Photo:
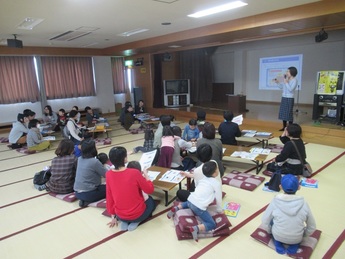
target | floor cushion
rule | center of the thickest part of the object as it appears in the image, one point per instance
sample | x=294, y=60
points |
x=305, y=250
x=185, y=218
x=26, y=151
x=98, y=204
x=242, y=180
x=69, y=197
x=102, y=141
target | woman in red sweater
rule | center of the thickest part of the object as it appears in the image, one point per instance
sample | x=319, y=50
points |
x=124, y=196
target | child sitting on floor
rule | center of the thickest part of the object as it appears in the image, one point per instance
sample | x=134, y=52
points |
x=35, y=139
x=104, y=159
x=136, y=165
x=288, y=217
x=148, y=142
x=191, y=131
x=207, y=190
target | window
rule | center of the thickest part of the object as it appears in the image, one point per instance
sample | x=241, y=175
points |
x=18, y=81
x=67, y=77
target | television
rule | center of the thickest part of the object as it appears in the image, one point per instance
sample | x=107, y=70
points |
x=177, y=86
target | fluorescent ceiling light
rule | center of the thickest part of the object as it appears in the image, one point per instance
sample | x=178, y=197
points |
x=174, y=46
x=129, y=33
x=278, y=30
x=29, y=23
x=218, y=9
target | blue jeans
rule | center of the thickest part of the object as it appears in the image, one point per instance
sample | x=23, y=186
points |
x=150, y=207
x=205, y=217
x=92, y=196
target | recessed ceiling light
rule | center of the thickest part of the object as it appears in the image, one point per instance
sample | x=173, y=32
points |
x=129, y=33
x=166, y=23
x=218, y=9
x=29, y=23
x=174, y=46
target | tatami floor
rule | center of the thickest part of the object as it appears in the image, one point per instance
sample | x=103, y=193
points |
x=36, y=225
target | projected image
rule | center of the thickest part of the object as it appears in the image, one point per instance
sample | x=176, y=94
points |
x=273, y=74
x=272, y=68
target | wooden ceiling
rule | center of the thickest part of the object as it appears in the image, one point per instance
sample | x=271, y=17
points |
x=310, y=18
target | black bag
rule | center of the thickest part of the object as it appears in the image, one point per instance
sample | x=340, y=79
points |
x=274, y=182
x=42, y=177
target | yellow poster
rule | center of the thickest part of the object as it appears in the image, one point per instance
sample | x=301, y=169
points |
x=327, y=83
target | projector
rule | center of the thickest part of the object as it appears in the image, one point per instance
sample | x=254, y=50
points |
x=321, y=36
x=14, y=43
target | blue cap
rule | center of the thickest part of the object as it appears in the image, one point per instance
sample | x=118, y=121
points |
x=290, y=183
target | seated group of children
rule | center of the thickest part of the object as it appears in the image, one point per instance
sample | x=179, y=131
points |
x=28, y=130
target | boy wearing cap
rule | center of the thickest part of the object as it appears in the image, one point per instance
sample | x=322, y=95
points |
x=288, y=217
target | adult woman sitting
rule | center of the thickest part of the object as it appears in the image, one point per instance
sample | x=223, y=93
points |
x=63, y=169
x=89, y=175
x=19, y=130
x=72, y=129
x=208, y=137
x=50, y=117
x=288, y=161
x=125, y=200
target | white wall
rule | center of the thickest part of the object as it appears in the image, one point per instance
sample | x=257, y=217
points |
x=104, y=99
x=327, y=55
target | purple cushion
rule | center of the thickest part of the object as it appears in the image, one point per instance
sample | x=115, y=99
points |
x=242, y=180
x=185, y=218
x=305, y=250
x=69, y=197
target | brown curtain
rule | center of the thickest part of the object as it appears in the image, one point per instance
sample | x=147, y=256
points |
x=67, y=77
x=118, y=69
x=18, y=82
x=158, y=91
x=196, y=65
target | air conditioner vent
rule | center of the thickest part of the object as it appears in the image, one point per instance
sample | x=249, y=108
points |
x=70, y=35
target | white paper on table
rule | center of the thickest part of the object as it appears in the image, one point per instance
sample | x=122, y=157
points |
x=147, y=159
x=263, y=133
x=264, y=151
x=238, y=119
x=244, y=155
x=236, y=154
x=248, y=131
x=224, y=150
x=172, y=176
x=249, y=134
x=153, y=175
x=49, y=138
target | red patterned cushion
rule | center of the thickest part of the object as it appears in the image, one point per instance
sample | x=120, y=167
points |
x=3, y=140
x=241, y=180
x=26, y=151
x=267, y=173
x=103, y=141
x=305, y=250
x=185, y=218
x=69, y=197
x=98, y=204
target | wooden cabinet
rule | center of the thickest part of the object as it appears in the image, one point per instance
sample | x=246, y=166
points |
x=236, y=103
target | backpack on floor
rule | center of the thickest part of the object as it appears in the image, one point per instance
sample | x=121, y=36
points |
x=275, y=181
x=42, y=177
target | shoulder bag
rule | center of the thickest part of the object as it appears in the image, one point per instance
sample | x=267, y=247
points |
x=307, y=170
